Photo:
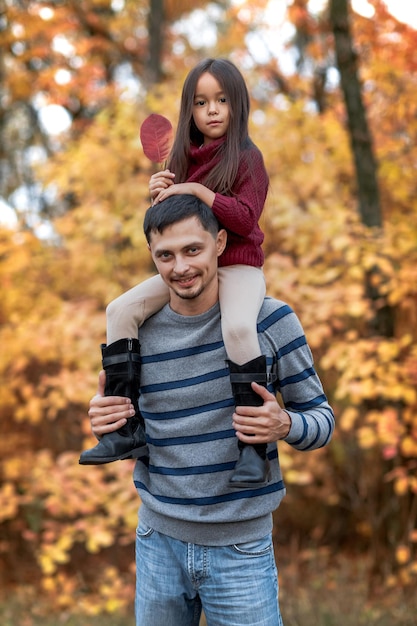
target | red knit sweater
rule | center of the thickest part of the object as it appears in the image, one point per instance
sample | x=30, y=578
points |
x=238, y=214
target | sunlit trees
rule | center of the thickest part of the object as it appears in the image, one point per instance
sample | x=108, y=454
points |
x=71, y=528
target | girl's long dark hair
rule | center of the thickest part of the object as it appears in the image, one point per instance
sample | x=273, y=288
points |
x=222, y=175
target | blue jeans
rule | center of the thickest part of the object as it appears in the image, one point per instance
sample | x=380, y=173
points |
x=235, y=585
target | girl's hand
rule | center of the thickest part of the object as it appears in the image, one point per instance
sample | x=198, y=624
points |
x=160, y=181
x=194, y=189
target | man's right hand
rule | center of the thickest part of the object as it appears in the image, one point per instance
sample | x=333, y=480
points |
x=108, y=413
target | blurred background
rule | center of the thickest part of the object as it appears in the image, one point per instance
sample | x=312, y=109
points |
x=334, y=110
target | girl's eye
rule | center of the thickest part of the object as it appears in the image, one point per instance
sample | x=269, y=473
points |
x=199, y=103
x=223, y=100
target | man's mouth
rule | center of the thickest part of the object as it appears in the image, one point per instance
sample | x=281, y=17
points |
x=186, y=281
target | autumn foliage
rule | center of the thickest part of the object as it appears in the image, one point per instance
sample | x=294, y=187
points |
x=69, y=530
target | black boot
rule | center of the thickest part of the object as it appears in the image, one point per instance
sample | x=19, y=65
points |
x=121, y=361
x=252, y=468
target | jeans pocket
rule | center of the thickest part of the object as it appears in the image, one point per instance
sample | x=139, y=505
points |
x=258, y=547
x=143, y=530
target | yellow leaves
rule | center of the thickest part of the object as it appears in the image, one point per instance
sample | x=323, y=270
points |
x=386, y=429
x=99, y=538
x=372, y=369
x=9, y=501
x=53, y=298
x=348, y=418
x=298, y=477
x=389, y=427
x=62, y=588
x=409, y=446
x=404, y=479
x=111, y=592
x=53, y=554
x=401, y=485
x=367, y=437
x=402, y=554
x=32, y=409
x=387, y=351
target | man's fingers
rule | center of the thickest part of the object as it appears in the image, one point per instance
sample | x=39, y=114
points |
x=101, y=383
x=263, y=392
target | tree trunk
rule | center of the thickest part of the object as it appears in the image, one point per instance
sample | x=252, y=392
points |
x=155, y=30
x=360, y=137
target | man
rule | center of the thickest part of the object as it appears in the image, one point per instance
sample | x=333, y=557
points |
x=200, y=543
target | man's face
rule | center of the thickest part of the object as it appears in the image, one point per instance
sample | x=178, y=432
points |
x=186, y=255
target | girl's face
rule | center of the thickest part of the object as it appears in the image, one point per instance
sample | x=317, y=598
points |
x=211, y=112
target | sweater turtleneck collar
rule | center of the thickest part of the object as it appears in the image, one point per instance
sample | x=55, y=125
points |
x=206, y=152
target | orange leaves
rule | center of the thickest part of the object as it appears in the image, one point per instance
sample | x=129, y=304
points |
x=383, y=428
x=370, y=369
x=409, y=444
x=317, y=258
x=402, y=554
x=9, y=501
x=69, y=508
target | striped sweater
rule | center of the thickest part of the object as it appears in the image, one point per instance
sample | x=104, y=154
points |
x=186, y=400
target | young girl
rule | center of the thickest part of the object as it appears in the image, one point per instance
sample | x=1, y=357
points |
x=214, y=159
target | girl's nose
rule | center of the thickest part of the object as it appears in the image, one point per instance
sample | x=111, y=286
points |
x=212, y=108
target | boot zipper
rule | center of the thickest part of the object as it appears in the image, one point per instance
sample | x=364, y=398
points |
x=130, y=364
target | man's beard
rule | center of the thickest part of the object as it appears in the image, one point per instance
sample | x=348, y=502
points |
x=190, y=295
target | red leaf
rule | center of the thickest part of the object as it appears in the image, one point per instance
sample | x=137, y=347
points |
x=156, y=136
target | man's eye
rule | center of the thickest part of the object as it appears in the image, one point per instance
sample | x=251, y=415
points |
x=193, y=250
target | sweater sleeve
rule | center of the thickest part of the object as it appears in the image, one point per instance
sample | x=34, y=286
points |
x=240, y=213
x=301, y=390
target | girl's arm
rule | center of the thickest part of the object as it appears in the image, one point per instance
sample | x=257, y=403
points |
x=194, y=189
x=240, y=212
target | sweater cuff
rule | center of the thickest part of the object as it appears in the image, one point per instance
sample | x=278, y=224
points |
x=298, y=430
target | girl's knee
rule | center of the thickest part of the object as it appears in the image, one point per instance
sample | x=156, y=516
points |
x=239, y=333
x=113, y=309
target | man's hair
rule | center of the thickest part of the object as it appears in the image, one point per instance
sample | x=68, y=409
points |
x=175, y=209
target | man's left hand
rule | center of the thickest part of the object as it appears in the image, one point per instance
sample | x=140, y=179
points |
x=261, y=424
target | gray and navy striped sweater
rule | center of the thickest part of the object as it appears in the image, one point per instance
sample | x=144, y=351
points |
x=186, y=400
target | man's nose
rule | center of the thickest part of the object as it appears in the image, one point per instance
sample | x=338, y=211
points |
x=181, y=265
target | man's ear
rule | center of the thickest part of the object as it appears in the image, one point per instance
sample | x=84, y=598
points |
x=221, y=241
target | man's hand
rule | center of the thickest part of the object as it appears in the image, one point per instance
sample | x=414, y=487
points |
x=108, y=413
x=262, y=424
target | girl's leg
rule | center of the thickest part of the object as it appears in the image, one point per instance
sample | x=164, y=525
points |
x=127, y=313
x=241, y=293
x=121, y=362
